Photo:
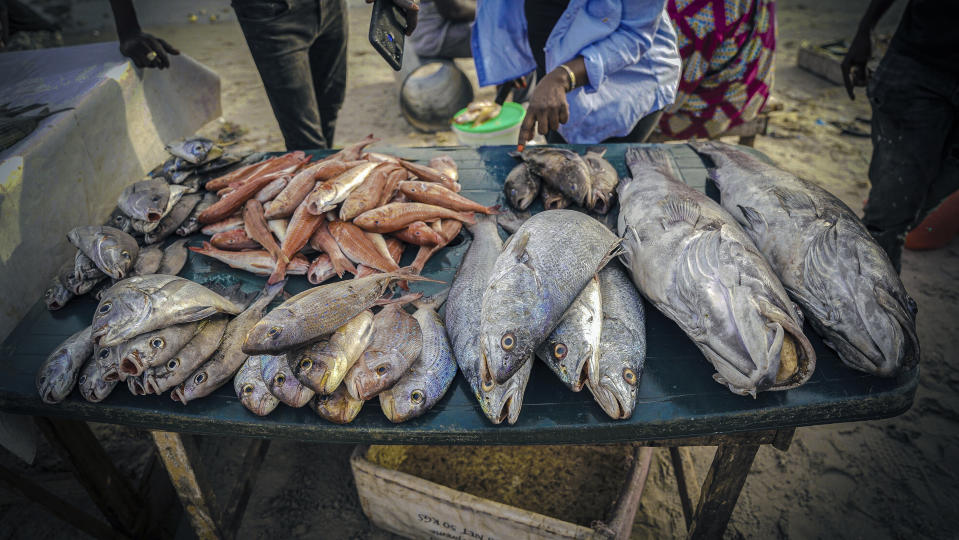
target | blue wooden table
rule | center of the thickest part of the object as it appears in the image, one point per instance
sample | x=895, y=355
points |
x=678, y=398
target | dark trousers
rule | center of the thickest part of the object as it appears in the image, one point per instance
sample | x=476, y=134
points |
x=915, y=155
x=640, y=132
x=299, y=47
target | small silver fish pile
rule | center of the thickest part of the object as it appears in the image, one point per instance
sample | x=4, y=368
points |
x=562, y=178
x=154, y=332
x=547, y=292
x=325, y=347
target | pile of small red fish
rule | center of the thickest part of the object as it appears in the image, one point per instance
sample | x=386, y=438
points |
x=353, y=211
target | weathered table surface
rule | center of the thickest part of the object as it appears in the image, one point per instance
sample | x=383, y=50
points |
x=677, y=397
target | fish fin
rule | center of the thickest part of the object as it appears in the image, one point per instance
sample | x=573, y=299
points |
x=754, y=220
x=198, y=314
x=640, y=158
x=468, y=217
x=432, y=302
x=792, y=200
x=598, y=150
x=409, y=273
x=676, y=210
x=279, y=272
x=405, y=299
x=518, y=247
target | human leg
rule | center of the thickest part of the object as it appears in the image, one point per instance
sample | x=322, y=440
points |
x=328, y=64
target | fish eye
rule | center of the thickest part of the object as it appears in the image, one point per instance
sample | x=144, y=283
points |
x=103, y=354
x=200, y=377
x=43, y=379
x=173, y=363
x=274, y=331
x=559, y=351
x=157, y=343
x=381, y=369
x=247, y=389
x=105, y=307
x=508, y=341
x=376, y=222
x=83, y=379
x=416, y=397
x=155, y=198
x=118, y=219
x=306, y=363
x=279, y=379
x=630, y=376
x=125, y=254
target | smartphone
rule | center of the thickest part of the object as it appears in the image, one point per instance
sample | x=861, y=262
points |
x=387, y=32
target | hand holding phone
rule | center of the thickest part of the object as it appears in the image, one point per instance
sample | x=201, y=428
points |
x=387, y=31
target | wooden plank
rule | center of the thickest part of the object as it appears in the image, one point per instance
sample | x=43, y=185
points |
x=162, y=512
x=621, y=523
x=720, y=490
x=686, y=482
x=232, y=515
x=95, y=471
x=198, y=503
x=60, y=508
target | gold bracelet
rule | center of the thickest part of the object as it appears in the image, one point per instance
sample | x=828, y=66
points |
x=572, y=77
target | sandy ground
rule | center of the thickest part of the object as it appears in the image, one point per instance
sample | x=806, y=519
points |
x=883, y=479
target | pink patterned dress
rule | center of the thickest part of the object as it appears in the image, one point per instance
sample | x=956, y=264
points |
x=727, y=50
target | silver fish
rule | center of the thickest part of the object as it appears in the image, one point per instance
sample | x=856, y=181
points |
x=603, y=180
x=140, y=304
x=397, y=341
x=195, y=150
x=323, y=364
x=57, y=295
x=169, y=223
x=826, y=259
x=521, y=187
x=119, y=220
x=282, y=382
x=228, y=357
x=252, y=390
x=155, y=348
x=112, y=250
x=542, y=268
x=145, y=200
x=563, y=169
x=148, y=261
x=622, y=350
x=430, y=375
x=338, y=407
x=91, y=384
x=58, y=373
x=191, y=224
x=696, y=265
x=175, y=370
x=572, y=349
x=498, y=402
x=174, y=257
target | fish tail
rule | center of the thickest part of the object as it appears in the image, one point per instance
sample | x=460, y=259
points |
x=492, y=210
x=468, y=217
x=410, y=273
x=279, y=272
x=432, y=302
x=639, y=158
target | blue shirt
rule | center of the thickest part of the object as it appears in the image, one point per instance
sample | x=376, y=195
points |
x=629, y=47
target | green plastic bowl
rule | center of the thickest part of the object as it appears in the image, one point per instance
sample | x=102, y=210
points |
x=504, y=129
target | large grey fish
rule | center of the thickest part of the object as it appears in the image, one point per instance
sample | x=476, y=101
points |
x=282, y=382
x=148, y=261
x=542, y=268
x=91, y=384
x=195, y=150
x=119, y=220
x=145, y=200
x=622, y=349
x=174, y=257
x=695, y=264
x=140, y=304
x=112, y=250
x=521, y=187
x=498, y=402
x=572, y=349
x=430, y=375
x=57, y=295
x=205, y=342
x=826, y=259
x=397, y=341
x=251, y=389
x=84, y=268
x=192, y=224
x=228, y=357
x=339, y=407
x=170, y=222
x=563, y=169
x=603, y=180
x=58, y=373
x=323, y=364
x=155, y=348
x=318, y=312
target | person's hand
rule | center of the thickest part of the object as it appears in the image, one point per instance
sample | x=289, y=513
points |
x=147, y=51
x=854, y=64
x=548, y=107
x=412, y=10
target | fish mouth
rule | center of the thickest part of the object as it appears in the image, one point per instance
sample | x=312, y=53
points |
x=152, y=386
x=131, y=366
x=49, y=397
x=153, y=215
x=111, y=374
x=602, y=203
x=610, y=402
x=178, y=395
x=137, y=388
x=389, y=409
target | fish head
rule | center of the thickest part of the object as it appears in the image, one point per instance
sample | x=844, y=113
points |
x=108, y=361
x=279, y=330
x=193, y=387
x=337, y=407
x=120, y=313
x=142, y=351
x=569, y=357
x=616, y=391
x=147, y=200
x=399, y=405
x=380, y=369
x=116, y=256
x=56, y=378
x=312, y=367
x=251, y=389
x=602, y=201
x=56, y=296
x=91, y=384
x=119, y=220
x=506, y=339
x=194, y=150
x=503, y=402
